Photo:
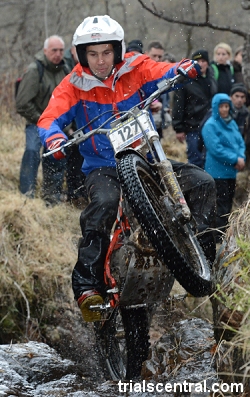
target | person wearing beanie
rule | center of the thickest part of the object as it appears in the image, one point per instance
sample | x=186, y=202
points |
x=225, y=155
x=190, y=105
x=238, y=96
x=200, y=54
x=135, y=46
x=238, y=87
x=241, y=115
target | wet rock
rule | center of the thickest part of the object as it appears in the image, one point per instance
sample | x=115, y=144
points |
x=183, y=355
x=34, y=369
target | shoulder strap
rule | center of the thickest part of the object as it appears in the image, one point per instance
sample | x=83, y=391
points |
x=40, y=68
x=66, y=69
x=216, y=71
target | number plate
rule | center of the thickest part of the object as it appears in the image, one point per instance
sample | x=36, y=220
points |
x=129, y=131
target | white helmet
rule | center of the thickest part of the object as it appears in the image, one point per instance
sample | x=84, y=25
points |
x=98, y=30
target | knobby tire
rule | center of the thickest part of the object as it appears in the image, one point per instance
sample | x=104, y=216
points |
x=175, y=243
x=123, y=342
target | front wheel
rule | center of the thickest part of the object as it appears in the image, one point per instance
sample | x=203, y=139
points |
x=175, y=243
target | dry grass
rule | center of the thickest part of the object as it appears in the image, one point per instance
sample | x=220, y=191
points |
x=233, y=299
x=38, y=245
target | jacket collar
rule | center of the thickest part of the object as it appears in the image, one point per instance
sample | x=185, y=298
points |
x=82, y=79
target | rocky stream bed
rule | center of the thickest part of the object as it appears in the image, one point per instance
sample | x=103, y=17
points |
x=181, y=350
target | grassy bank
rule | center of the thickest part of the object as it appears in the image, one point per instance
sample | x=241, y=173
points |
x=38, y=245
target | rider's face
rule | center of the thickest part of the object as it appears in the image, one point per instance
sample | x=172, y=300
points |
x=100, y=59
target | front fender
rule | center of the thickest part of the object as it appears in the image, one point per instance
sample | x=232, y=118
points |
x=129, y=150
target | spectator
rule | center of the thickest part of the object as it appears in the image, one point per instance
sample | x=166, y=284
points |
x=237, y=65
x=190, y=105
x=76, y=192
x=167, y=98
x=225, y=155
x=71, y=57
x=155, y=51
x=223, y=69
x=169, y=57
x=240, y=114
x=135, y=46
x=242, y=117
x=238, y=96
x=32, y=98
x=102, y=83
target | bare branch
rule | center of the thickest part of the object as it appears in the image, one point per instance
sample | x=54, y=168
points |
x=207, y=10
x=206, y=23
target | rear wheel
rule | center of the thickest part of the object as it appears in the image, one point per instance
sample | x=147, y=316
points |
x=123, y=342
x=175, y=242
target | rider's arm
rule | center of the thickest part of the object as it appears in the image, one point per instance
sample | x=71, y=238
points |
x=152, y=73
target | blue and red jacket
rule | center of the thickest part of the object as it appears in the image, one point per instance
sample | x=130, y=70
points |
x=81, y=96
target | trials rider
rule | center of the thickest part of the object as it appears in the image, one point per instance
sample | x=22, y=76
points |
x=106, y=81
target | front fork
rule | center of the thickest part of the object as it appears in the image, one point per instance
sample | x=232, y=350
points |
x=169, y=180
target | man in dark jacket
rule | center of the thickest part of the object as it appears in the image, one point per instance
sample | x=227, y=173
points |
x=190, y=105
x=34, y=92
x=241, y=115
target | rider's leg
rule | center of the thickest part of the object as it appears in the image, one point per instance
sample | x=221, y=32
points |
x=200, y=192
x=96, y=222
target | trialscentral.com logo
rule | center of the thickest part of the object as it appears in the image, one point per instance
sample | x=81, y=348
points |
x=201, y=387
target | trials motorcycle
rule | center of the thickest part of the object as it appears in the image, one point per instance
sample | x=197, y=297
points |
x=153, y=240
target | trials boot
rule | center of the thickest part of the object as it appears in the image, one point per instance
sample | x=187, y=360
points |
x=87, y=299
x=88, y=274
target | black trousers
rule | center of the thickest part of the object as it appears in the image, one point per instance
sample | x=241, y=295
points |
x=98, y=217
x=74, y=176
x=225, y=194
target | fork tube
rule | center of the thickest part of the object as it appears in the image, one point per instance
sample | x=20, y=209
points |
x=159, y=150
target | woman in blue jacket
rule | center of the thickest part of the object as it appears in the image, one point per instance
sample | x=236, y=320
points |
x=225, y=154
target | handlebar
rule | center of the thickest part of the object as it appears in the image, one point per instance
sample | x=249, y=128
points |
x=164, y=85
x=78, y=137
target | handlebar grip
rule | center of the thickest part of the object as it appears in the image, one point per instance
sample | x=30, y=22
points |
x=62, y=149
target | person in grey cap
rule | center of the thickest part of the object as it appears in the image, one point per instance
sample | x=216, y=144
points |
x=241, y=115
x=238, y=96
x=135, y=46
x=190, y=105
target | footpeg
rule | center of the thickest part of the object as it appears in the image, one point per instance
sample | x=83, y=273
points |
x=100, y=307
